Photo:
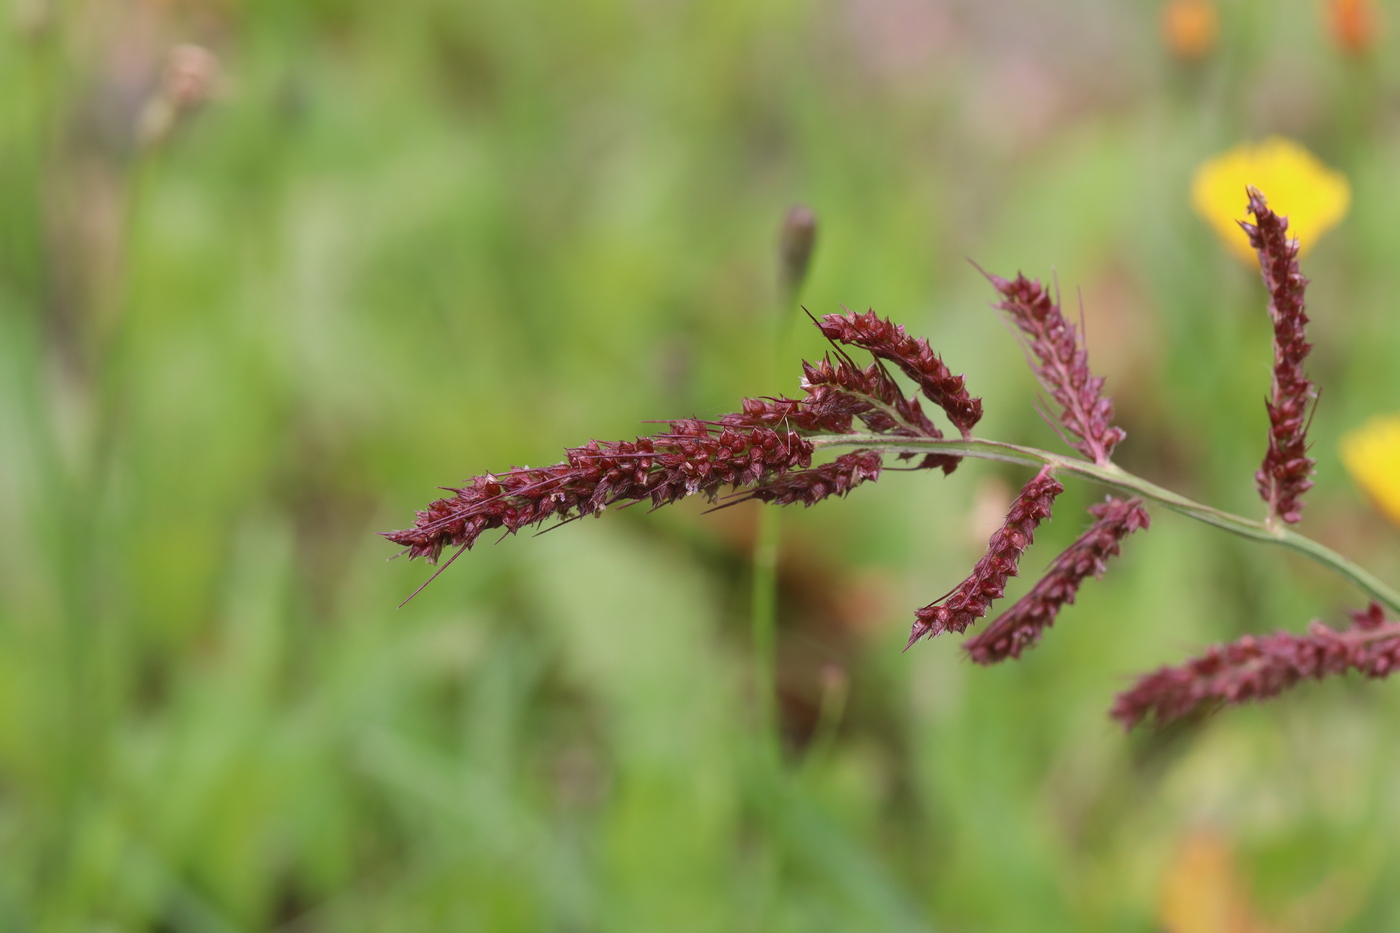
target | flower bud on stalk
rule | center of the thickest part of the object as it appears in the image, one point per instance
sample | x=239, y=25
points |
x=795, y=247
x=1354, y=25
x=1190, y=28
x=190, y=79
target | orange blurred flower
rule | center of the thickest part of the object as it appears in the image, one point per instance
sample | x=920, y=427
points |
x=1190, y=27
x=1354, y=24
x=1298, y=185
x=1202, y=891
x=1372, y=457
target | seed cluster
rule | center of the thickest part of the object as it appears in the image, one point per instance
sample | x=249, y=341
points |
x=1021, y=626
x=970, y=599
x=811, y=486
x=761, y=449
x=690, y=459
x=888, y=341
x=1287, y=469
x=1256, y=668
x=1062, y=365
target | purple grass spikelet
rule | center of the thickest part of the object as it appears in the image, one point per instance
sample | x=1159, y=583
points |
x=1287, y=469
x=1021, y=626
x=688, y=460
x=970, y=599
x=872, y=395
x=1257, y=668
x=814, y=484
x=888, y=341
x=1061, y=364
x=754, y=448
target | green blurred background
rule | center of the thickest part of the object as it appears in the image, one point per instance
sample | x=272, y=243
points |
x=404, y=243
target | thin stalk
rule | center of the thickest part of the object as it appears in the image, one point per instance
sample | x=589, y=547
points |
x=1110, y=474
x=763, y=618
x=794, y=253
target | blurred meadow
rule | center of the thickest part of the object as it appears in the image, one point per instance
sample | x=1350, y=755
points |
x=272, y=272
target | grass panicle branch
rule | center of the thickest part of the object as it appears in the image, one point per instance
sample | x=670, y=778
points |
x=762, y=448
x=693, y=457
x=1061, y=364
x=1287, y=469
x=1257, y=668
x=970, y=599
x=812, y=485
x=1021, y=626
x=888, y=341
x=1115, y=477
x=876, y=399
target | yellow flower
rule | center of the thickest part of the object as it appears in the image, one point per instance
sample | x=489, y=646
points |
x=1372, y=457
x=1313, y=197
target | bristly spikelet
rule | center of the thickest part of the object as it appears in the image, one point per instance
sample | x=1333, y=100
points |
x=1062, y=365
x=814, y=484
x=888, y=341
x=761, y=448
x=1287, y=469
x=689, y=459
x=1257, y=668
x=971, y=598
x=1021, y=626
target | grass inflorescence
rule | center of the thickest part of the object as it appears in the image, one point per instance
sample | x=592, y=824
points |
x=764, y=452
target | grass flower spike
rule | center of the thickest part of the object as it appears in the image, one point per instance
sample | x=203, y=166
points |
x=691, y=458
x=971, y=598
x=761, y=449
x=889, y=342
x=809, y=487
x=1021, y=626
x=1372, y=456
x=1061, y=365
x=1258, y=668
x=1284, y=475
x=1312, y=196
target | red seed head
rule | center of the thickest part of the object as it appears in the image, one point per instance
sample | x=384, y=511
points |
x=970, y=599
x=1287, y=469
x=1256, y=668
x=1021, y=626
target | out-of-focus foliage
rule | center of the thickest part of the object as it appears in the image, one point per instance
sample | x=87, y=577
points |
x=402, y=243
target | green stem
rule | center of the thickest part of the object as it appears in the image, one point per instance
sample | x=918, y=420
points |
x=1111, y=474
x=764, y=609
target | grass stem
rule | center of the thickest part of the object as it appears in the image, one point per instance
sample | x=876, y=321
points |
x=1113, y=475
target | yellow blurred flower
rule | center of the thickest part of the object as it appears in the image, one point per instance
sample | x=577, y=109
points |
x=1372, y=457
x=1190, y=27
x=1313, y=197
